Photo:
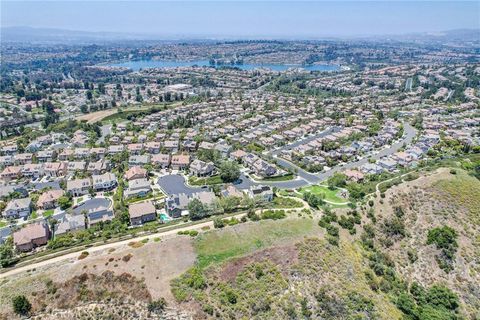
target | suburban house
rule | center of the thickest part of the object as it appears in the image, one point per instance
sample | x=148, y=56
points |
x=11, y=173
x=354, y=175
x=138, y=160
x=238, y=155
x=33, y=170
x=98, y=167
x=79, y=187
x=387, y=164
x=205, y=197
x=31, y=236
x=263, y=192
x=18, y=208
x=231, y=191
x=176, y=204
x=161, y=160
x=142, y=212
x=99, y=214
x=138, y=188
x=55, y=169
x=106, y=181
x=263, y=168
x=201, y=168
x=70, y=223
x=49, y=199
x=180, y=161
x=135, y=173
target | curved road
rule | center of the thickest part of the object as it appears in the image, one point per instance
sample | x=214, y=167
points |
x=175, y=183
x=313, y=178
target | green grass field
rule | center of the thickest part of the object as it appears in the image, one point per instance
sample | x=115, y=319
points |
x=218, y=246
x=330, y=195
x=194, y=181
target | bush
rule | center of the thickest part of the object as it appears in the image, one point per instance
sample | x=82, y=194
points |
x=394, y=228
x=21, y=305
x=157, y=305
x=274, y=215
x=83, y=255
x=218, y=223
x=445, y=239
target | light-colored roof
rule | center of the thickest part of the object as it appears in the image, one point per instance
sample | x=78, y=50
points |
x=29, y=233
x=140, y=209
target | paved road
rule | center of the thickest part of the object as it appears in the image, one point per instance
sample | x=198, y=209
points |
x=174, y=184
x=306, y=140
x=409, y=134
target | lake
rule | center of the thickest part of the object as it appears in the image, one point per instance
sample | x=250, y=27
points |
x=144, y=64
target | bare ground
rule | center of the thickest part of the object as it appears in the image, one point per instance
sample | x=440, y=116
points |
x=155, y=264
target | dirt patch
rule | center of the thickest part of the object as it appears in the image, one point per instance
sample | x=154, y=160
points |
x=91, y=287
x=155, y=264
x=96, y=116
x=282, y=257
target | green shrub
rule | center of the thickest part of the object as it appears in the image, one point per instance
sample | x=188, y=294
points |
x=21, y=305
x=274, y=215
x=445, y=239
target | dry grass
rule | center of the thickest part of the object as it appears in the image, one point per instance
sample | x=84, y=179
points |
x=135, y=244
x=83, y=255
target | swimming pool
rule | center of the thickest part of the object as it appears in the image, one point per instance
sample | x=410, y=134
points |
x=164, y=217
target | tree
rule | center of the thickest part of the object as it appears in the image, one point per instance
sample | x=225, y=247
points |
x=6, y=255
x=338, y=180
x=64, y=202
x=229, y=171
x=21, y=305
x=197, y=209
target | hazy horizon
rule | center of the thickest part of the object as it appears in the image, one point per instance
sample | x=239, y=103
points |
x=245, y=19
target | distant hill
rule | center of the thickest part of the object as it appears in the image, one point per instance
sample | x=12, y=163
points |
x=42, y=35
x=51, y=35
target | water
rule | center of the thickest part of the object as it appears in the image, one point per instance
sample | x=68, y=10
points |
x=144, y=64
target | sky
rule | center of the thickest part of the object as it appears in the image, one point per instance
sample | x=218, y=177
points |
x=288, y=19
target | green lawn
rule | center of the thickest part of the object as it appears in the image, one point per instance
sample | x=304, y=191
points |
x=219, y=246
x=48, y=213
x=330, y=195
x=2, y=223
x=34, y=215
x=194, y=181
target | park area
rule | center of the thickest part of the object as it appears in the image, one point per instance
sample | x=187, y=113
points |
x=330, y=196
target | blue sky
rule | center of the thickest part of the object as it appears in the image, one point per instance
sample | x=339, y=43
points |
x=307, y=19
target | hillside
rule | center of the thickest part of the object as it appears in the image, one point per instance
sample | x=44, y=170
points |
x=383, y=260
